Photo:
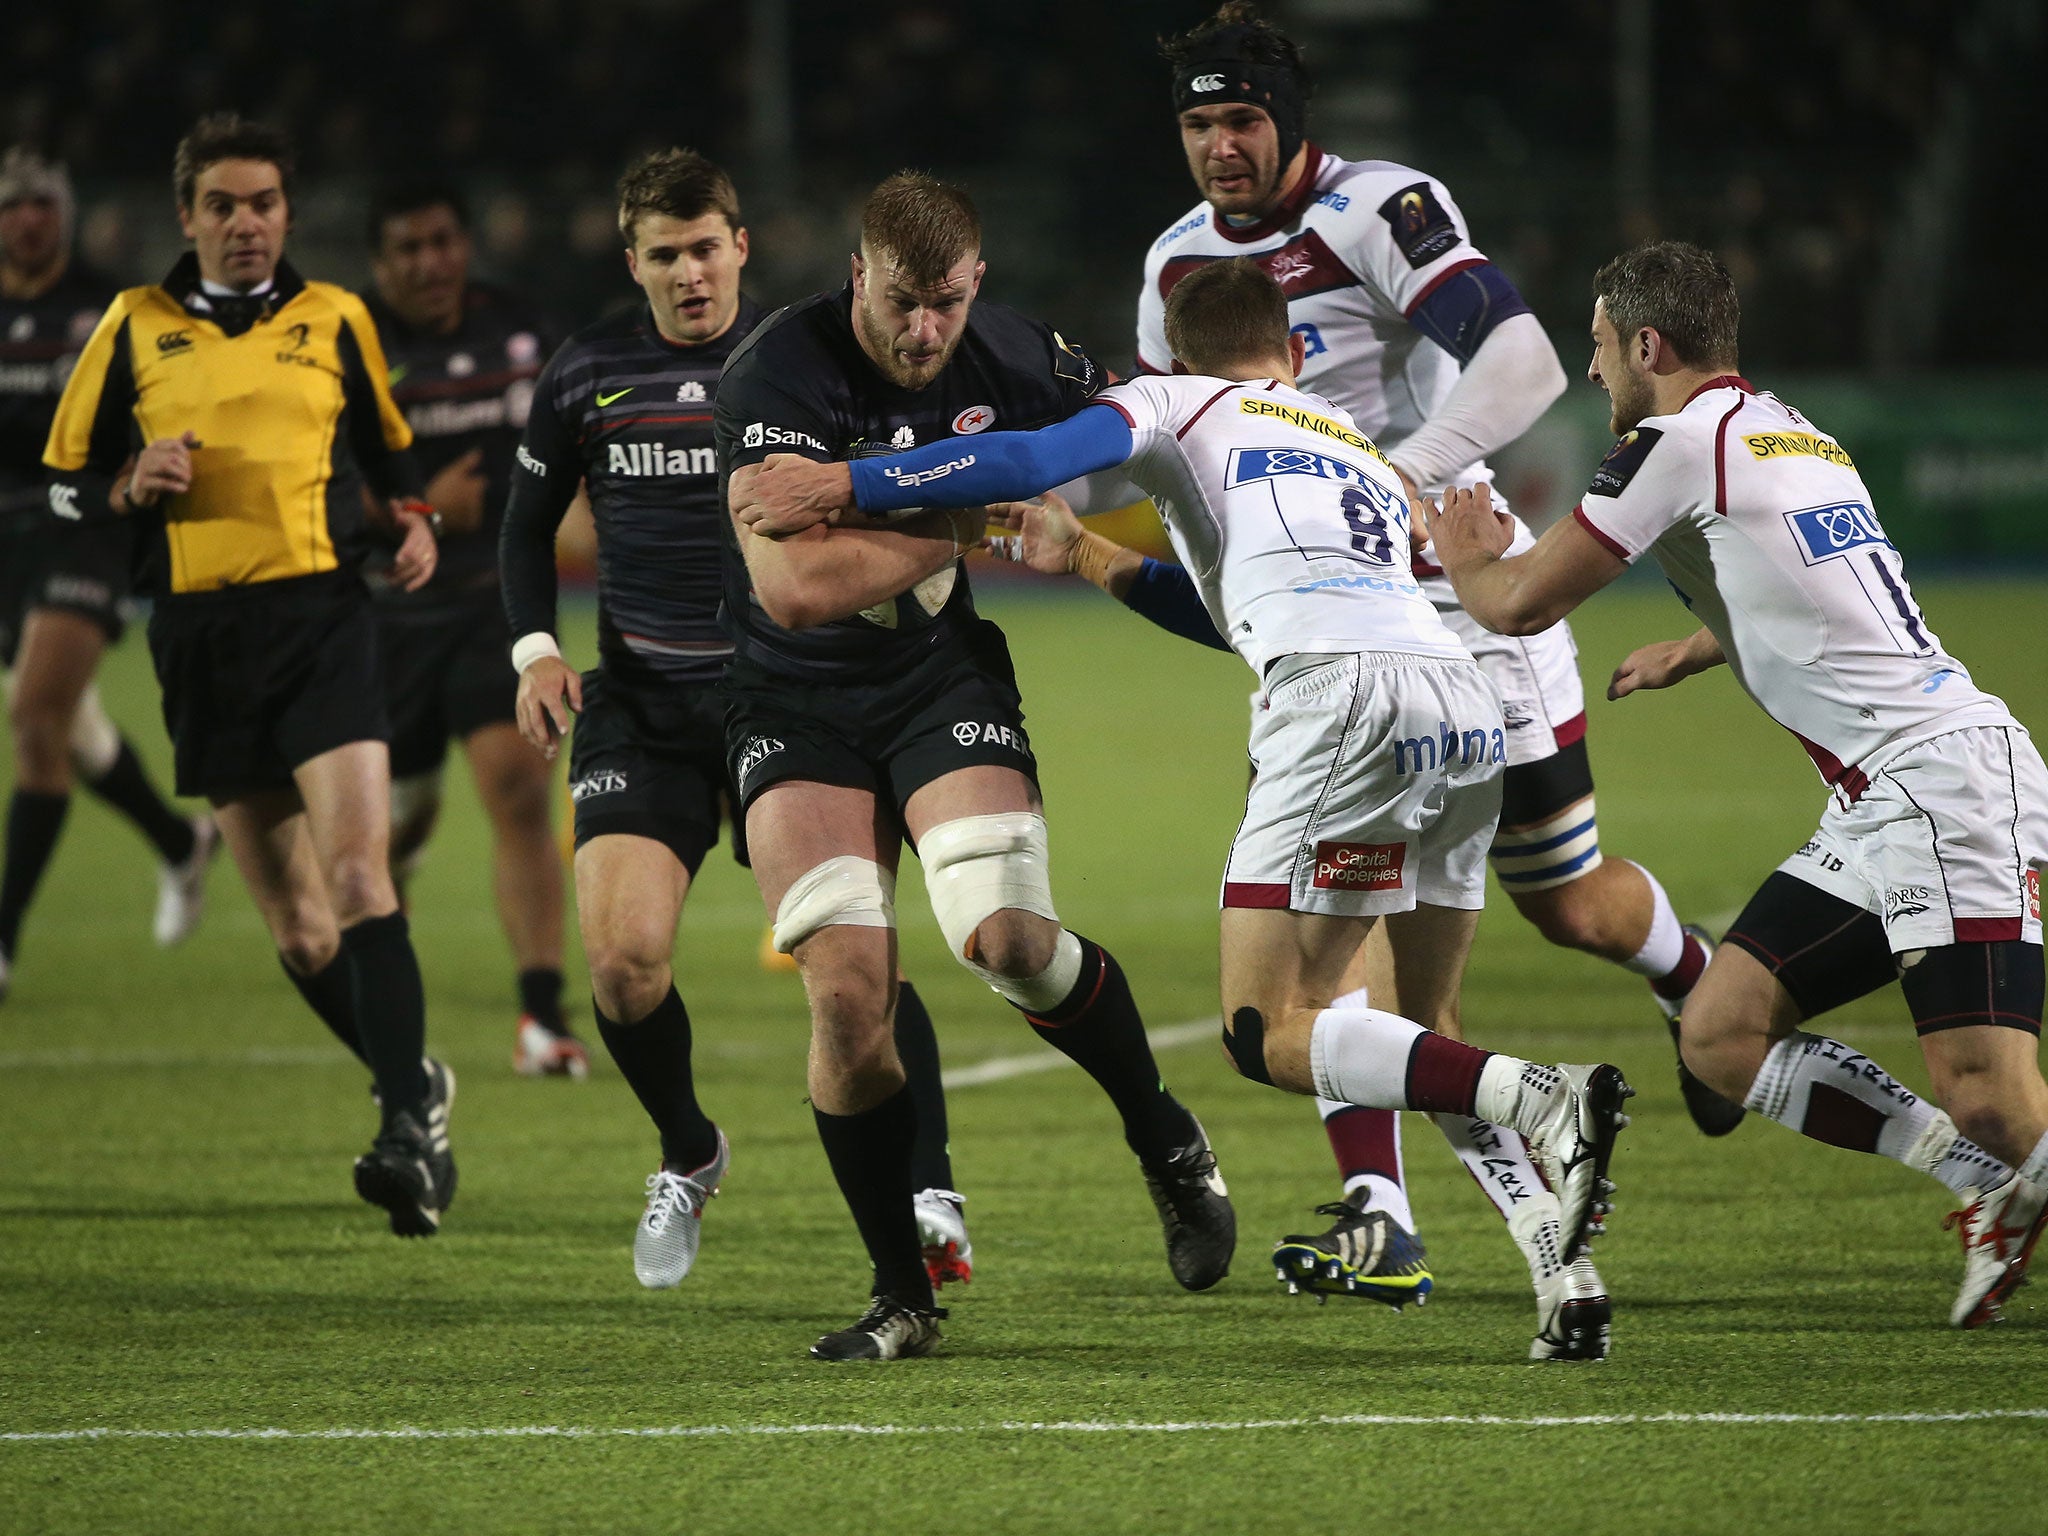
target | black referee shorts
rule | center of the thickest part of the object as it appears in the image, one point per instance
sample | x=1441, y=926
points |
x=259, y=679
x=957, y=708
x=648, y=760
x=447, y=672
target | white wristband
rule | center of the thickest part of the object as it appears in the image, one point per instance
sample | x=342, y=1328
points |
x=528, y=649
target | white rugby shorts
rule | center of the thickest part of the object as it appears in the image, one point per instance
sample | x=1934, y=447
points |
x=1376, y=785
x=1947, y=845
x=1542, y=701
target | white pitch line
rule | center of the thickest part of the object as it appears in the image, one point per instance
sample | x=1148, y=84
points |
x=999, y=1069
x=1026, y=1426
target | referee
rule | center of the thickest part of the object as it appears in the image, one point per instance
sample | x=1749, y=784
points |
x=235, y=410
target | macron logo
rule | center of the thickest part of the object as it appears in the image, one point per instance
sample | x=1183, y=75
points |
x=911, y=479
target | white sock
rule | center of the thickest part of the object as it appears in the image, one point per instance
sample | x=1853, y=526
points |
x=1515, y=1093
x=1498, y=1161
x=1823, y=1089
x=1665, y=946
x=1360, y=1056
x=2035, y=1168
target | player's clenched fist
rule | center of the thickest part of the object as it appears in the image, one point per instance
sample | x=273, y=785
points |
x=790, y=493
x=550, y=692
x=1044, y=533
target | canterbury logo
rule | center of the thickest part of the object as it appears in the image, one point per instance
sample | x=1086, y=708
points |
x=1206, y=83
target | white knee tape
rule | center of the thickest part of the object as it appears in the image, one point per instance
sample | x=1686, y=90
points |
x=95, y=743
x=1543, y=858
x=978, y=865
x=854, y=892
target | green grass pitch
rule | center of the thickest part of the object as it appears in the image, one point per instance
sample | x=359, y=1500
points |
x=180, y=1249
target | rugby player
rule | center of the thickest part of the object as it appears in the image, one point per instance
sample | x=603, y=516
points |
x=869, y=703
x=464, y=356
x=214, y=409
x=625, y=409
x=1927, y=864
x=63, y=588
x=1409, y=327
x=1378, y=744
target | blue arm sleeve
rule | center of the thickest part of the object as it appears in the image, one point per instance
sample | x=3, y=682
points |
x=1166, y=595
x=995, y=466
x=1460, y=312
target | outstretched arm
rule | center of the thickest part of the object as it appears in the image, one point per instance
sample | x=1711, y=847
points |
x=795, y=493
x=1526, y=593
x=1049, y=538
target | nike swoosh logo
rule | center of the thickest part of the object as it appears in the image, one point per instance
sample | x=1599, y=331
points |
x=621, y=394
x=398, y=373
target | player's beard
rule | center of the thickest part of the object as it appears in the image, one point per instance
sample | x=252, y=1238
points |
x=1629, y=400
x=899, y=370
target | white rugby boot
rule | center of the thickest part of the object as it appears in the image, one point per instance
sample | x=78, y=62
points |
x=665, y=1242
x=942, y=1230
x=1998, y=1230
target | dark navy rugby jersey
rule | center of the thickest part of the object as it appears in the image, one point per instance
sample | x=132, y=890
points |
x=40, y=340
x=469, y=388
x=801, y=384
x=627, y=412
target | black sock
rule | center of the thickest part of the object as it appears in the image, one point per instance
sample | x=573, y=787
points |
x=1097, y=1027
x=331, y=993
x=870, y=1157
x=931, y=1161
x=391, y=1008
x=33, y=823
x=540, y=994
x=126, y=787
x=654, y=1057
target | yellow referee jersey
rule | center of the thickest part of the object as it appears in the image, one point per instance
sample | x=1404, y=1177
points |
x=287, y=394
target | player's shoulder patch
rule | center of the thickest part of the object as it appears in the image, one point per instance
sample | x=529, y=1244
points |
x=1623, y=460
x=1070, y=362
x=1421, y=225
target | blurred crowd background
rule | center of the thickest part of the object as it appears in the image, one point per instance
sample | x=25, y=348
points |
x=1864, y=169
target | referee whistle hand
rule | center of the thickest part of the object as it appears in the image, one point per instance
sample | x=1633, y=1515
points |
x=413, y=566
x=163, y=468
x=550, y=695
x=789, y=493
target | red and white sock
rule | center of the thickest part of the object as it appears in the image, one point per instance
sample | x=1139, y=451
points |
x=1670, y=958
x=1367, y=1145
x=1825, y=1090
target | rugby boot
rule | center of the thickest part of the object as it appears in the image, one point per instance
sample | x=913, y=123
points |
x=1365, y=1253
x=942, y=1230
x=1194, y=1211
x=1572, y=1142
x=665, y=1242
x=1998, y=1230
x=538, y=1051
x=888, y=1330
x=181, y=888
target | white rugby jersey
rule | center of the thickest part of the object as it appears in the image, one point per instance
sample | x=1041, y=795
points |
x=1763, y=525
x=1355, y=251
x=1293, y=525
